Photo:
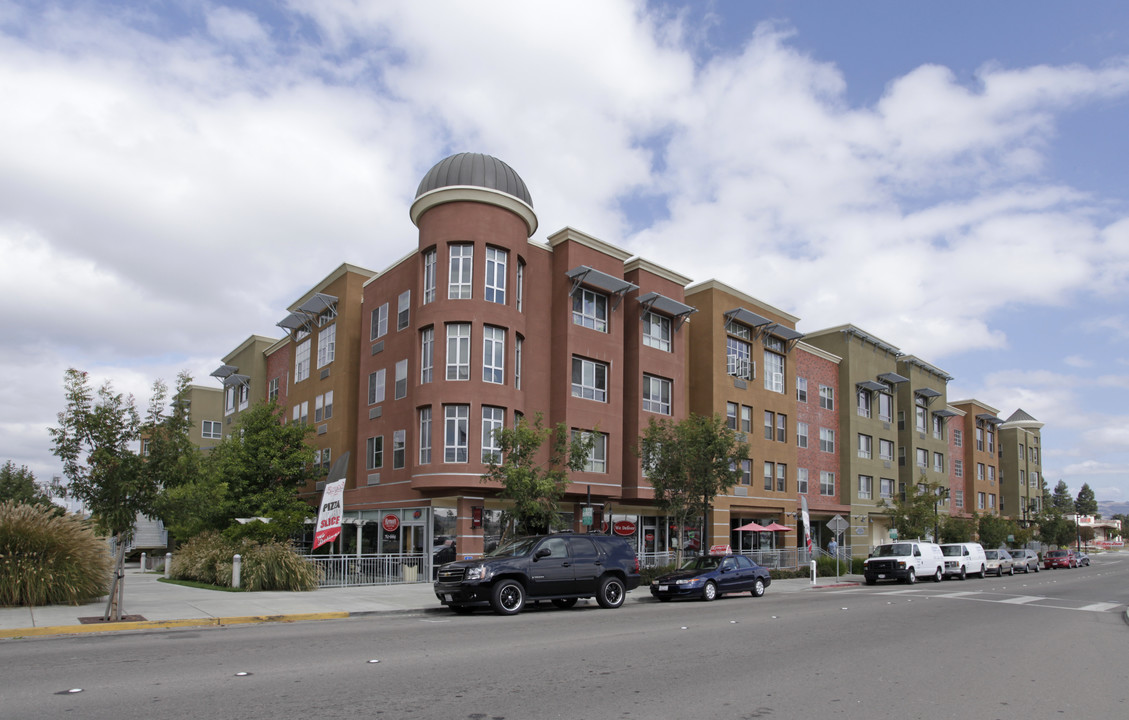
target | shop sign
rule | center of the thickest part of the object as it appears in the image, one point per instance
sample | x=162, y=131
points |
x=390, y=523
x=624, y=528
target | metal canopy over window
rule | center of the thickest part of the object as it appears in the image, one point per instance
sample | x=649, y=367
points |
x=870, y=385
x=237, y=379
x=989, y=418
x=584, y=275
x=893, y=378
x=945, y=413
x=223, y=371
x=318, y=304
x=748, y=317
x=668, y=306
x=764, y=326
x=928, y=393
x=293, y=321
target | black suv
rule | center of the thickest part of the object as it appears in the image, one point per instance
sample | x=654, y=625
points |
x=562, y=567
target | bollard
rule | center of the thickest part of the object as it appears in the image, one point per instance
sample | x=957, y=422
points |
x=142, y=562
x=236, y=568
x=168, y=565
x=813, y=572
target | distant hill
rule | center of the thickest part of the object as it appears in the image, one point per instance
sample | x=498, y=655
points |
x=1109, y=508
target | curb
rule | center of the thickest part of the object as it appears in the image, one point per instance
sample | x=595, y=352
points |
x=162, y=624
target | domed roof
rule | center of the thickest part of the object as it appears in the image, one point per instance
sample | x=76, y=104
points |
x=477, y=170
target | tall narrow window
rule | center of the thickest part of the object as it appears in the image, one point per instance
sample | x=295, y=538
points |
x=374, y=453
x=827, y=397
x=731, y=415
x=376, y=387
x=404, y=310
x=399, y=448
x=456, y=421
x=590, y=309
x=458, y=351
x=773, y=365
x=378, y=322
x=460, y=277
x=826, y=483
x=597, y=460
x=425, y=435
x=426, y=354
x=401, y=379
x=493, y=354
x=801, y=389
x=496, y=261
x=827, y=440
x=863, y=402
x=769, y=424
x=520, y=290
x=492, y=419
x=738, y=358
x=781, y=477
x=746, y=419
x=802, y=481
x=302, y=361
x=801, y=434
x=429, y=259
x=518, y=342
x=866, y=446
x=656, y=331
x=769, y=475
x=781, y=428
x=327, y=345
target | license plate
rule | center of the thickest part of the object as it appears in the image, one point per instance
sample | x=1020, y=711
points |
x=448, y=597
x=881, y=577
x=663, y=588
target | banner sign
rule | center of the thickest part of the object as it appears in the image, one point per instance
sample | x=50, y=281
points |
x=329, y=516
x=807, y=523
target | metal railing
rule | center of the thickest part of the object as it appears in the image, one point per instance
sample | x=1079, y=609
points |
x=355, y=570
x=780, y=558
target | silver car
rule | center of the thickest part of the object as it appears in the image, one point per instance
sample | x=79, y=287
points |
x=999, y=562
x=1082, y=558
x=1025, y=560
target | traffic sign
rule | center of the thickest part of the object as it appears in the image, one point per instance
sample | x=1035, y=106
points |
x=838, y=525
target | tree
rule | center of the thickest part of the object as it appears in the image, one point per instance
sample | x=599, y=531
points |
x=1061, y=499
x=533, y=489
x=994, y=530
x=915, y=514
x=18, y=485
x=1086, y=503
x=689, y=463
x=957, y=529
x=95, y=439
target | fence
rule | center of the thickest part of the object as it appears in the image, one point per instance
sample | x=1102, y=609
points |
x=781, y=558
x=354, y=570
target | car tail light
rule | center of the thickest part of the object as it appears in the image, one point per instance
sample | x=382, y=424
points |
x=636, y=563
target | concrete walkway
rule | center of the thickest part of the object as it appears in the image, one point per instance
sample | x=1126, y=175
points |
x=167, y=605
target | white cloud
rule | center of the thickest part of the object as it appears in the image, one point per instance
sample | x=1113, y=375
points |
x=1078, y=361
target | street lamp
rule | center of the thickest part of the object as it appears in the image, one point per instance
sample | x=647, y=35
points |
x=938, y=494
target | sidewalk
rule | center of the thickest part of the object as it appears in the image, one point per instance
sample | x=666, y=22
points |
x=167, y=605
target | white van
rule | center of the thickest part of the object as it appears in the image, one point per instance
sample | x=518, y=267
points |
x=964, y=559
x=905, y=562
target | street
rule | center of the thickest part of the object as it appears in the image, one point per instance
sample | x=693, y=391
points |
x=1043, y=645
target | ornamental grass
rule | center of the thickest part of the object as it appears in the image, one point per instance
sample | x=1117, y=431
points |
x=50, y=559
x=208, y=558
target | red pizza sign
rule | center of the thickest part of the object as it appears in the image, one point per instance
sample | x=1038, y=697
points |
x=624, y=527
x=390, y=523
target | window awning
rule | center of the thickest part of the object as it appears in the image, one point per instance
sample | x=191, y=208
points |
x=318, y=304
x=223, y=371
x=665, y=305
x=893, y=378
x=293, y=321
x=584, y=275
x=747, y=317
x=870, y=385
x=237, y=379
x=786, y=334
x=945, y=413
x=989, y=418
x=927, y=392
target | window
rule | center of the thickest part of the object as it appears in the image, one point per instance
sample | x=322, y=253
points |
x=991, y=440
x=826, y=397
x=885, y=407
x=376, y=387
x=1034, y=479
x=424, y=435
x=827, y=440
x=304, y=415
x=801, y=434
x=430, y=258
x=979, y=471
x=958, y=438
x=656, y=331
x=938, y=427
x=399, y=447
x=404, y=310
x=980, y=439
x=919, y=415
x=518, y=342
x=244, y=394
x=401, y=379
x=980, y=501
x=958, y=468
x=272, y=390
x=590, y=309
x=781, y=428
x=938, y=462
x=885, y=449
x=327, y=345
x=460, y=272
x=781, y=477
x=864, y=402
x=378, y=322
x=493, y=355
x=656, y=394
x=496, y=261
x=769, y=475
x=598, y=456
x=801, y=389
x=731, y=415
x=958, y=498
x=520, y=285
x=492, y=419
x=746, y=419
x=746, y=472
x=802, y=481
x=458, y=351
x=922, y=458
x=738, y=358
x=211, y=430
x=773, y=367
x=992, y=474
x=457, y=422
x=826, y=483
x=886, y=488
x=769, y=424
x=589, y=379
x=374, y=453
x=426, y=355
x=325, y=454
x=866, y=446
x=866, y=489
x=302, y=362
x=323, y=407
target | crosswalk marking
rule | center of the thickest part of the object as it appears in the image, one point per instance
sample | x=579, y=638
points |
x=996, y=597
x=1100, y=607
x=1022, y=600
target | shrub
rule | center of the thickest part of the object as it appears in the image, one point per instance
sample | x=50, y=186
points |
x=208, y=558
x=49, y=559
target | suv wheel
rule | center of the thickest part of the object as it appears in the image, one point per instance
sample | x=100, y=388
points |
x=611, y=593
x=758, y=588
x=508, y=597
x=709, y=592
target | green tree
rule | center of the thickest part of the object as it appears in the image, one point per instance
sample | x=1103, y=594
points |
x=916, y=513
x=957, y=529
x=96, y=439
x=535, y=488
x=688, y=464
x=1086, y=503
x=994, y=530
x=1061, y=499
x=18, y=485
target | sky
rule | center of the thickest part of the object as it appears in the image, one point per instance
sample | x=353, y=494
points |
x=950, y=177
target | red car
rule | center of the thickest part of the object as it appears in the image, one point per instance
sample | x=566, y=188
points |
x=1060, y=559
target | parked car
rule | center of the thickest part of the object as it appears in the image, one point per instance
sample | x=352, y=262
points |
x=444, y=551
x=1060, y=559
x=1081, y=558
x=1025, y=560
x=904, y=562
x=711, y=576
x=561, y=568
x=999, y=562
x=963, y=559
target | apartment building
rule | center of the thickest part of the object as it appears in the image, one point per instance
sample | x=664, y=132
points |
x=243, y=375
x=976, y=448
x=1021, y=470
x=743, y=368
x=817, y=468
x=923, y=416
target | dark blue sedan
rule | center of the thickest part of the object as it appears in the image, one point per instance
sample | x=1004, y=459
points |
x=710, y=576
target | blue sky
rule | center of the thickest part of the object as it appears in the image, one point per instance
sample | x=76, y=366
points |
x=948, y=176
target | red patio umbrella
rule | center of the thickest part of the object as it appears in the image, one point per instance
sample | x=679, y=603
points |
x=776, y=527
x=753, y=526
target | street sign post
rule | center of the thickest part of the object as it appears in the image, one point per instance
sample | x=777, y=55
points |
x=838, y=526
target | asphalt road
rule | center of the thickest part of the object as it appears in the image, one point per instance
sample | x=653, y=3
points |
x=1045, y=645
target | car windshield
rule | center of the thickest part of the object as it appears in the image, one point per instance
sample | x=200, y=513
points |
x=1057, y=553
x=991, y=554
x=514, y=548
x=951, y=550
x=892, y=549
x=708, y=562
